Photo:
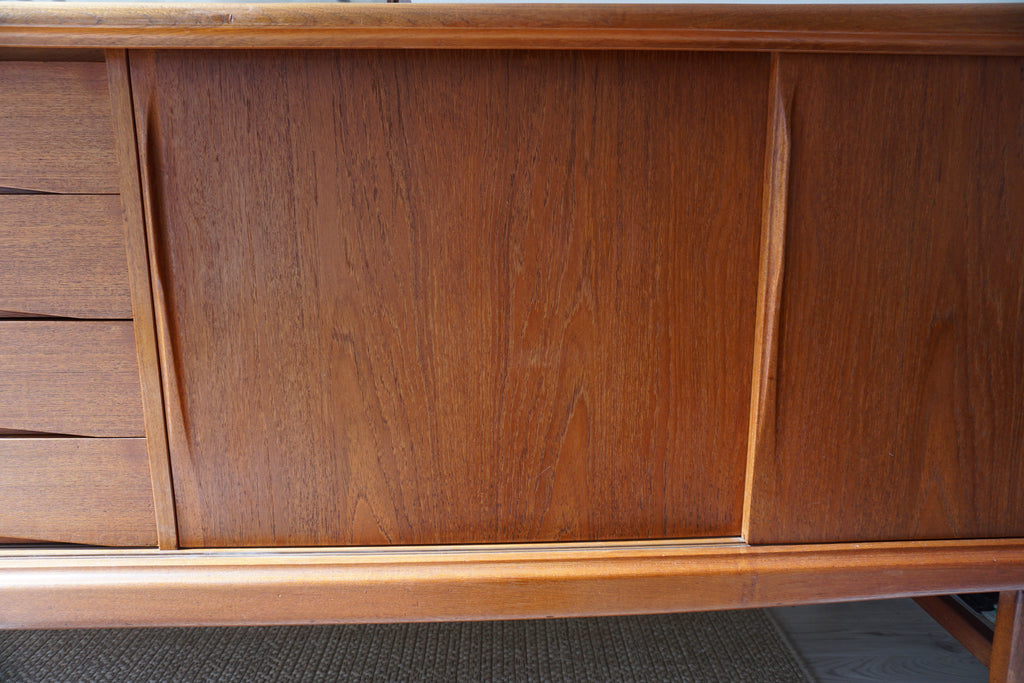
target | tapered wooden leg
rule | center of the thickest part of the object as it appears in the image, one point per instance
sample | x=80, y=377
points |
x=963, y=623
x=1007, y=665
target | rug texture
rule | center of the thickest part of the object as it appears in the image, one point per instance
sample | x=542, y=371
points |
x=732, y=646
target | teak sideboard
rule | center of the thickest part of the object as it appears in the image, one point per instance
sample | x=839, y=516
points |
x=365, y=313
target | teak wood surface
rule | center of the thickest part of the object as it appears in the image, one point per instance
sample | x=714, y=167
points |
x=897, y=137
x=460, y=297
x=57, y=134
x=139, y=249
x=76, y=378
x=964, y=29
x=900, y=372
x=1007, y=664
x=62, y=256
x=773, y=240
x=86, y=491
x=62, y=589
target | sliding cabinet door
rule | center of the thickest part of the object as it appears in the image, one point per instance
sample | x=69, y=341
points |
x=454, y=297
x=899, y=384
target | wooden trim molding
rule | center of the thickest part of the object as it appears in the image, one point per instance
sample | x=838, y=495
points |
x=62, y=588
x=954, y=29
x=142, y=298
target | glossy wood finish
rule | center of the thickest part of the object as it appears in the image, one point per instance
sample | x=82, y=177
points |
x=1007, y=665
x=407, y=131
x=967, y=29
x=63, y=256
x=963, y=623
x=901, y=343
x=138, y=250
x=472, y=267
x=769, y=284
x=74, y=378
x=136, y=588
x=57, y=135
x=90, y=491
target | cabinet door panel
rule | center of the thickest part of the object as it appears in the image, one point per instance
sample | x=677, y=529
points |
x=900, y=385
x=444, y=297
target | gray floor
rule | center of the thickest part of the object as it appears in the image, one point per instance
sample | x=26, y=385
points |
x=883, y=640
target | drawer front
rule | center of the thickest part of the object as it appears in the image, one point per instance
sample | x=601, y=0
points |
x=72, y=378
x=57, y=128
x=63, y=256
x=88, y=491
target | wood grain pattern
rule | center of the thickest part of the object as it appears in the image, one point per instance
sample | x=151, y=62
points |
x=50, y=54
x=769, y=283
x=963, y=623
x=1007, y=665
x=75, y=378
x=901, y=342
x=463, y=297
x=90, y=491
x=138, y=250
x=968, y=29
x=165, y=588
x=57, y=134
x=63, y=256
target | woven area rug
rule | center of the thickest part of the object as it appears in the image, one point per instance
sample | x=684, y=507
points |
x=732, y=646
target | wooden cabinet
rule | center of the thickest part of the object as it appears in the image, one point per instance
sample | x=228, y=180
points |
x=549, y=312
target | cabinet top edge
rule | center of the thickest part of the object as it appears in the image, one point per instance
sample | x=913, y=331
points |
x=924, y=29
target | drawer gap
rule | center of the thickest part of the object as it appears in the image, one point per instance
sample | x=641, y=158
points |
x=24, y=190
x=22, y=433
x=15, y=316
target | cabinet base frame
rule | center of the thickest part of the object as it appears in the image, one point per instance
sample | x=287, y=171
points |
x=105, y=588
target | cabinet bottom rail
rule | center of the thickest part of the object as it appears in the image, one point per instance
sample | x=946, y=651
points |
x=108, y=588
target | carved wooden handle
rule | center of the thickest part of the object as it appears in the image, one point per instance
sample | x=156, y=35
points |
x=761, y=435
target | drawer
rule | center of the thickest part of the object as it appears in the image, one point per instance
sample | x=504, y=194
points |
x=58, y=133
x=63, y=256
x=89, y=491
x=73, y=378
